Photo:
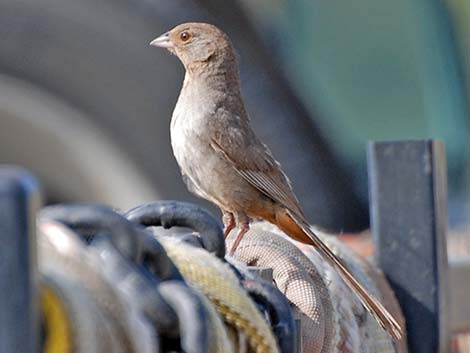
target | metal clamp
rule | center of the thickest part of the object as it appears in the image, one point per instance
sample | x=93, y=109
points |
x=181, y=214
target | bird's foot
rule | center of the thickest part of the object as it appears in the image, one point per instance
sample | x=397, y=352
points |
x=243, y=229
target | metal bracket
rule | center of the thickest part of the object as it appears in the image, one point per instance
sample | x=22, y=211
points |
x=408, y=202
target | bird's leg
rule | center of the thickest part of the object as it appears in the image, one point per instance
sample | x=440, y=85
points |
x=243, y=223
x=229, y=222
x=243, y=228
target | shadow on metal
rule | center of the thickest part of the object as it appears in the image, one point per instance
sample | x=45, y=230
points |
x=136, y=258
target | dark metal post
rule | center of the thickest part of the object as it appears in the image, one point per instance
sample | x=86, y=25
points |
x=408, y=203
x=19, y=202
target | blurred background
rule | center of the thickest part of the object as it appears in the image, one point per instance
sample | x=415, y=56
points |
x=85, y=103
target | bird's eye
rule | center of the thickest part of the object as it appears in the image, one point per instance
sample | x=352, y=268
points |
x=184, y=36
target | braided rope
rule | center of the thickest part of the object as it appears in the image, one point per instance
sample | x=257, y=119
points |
x=56, y=320
x=216, y=280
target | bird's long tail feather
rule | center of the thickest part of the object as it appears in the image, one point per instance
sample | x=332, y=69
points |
x=373, y=306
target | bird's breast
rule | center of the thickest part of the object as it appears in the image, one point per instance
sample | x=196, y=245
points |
x=190, y=140
x=210, y=175
x=195, y=123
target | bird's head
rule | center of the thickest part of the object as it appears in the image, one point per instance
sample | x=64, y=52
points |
x=196, y=43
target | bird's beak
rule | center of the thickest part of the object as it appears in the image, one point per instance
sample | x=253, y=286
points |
x=163, y=41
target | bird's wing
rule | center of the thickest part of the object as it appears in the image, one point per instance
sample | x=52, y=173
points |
x=254, y=162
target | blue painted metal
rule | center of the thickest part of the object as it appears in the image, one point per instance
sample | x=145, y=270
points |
x=19, y=202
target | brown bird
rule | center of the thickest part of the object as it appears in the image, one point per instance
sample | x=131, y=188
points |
x=223, y=161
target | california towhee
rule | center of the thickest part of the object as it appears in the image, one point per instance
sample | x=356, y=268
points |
x=221, y=158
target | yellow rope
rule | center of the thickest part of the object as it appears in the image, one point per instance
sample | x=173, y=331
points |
x=58, y=337
x=217, y=281
x=256, y=340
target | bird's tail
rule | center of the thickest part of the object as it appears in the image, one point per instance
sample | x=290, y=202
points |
x=299, y=229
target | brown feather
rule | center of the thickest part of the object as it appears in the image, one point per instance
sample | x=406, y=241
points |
x=266, y=175
x=300, y=230
x=273, y=183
